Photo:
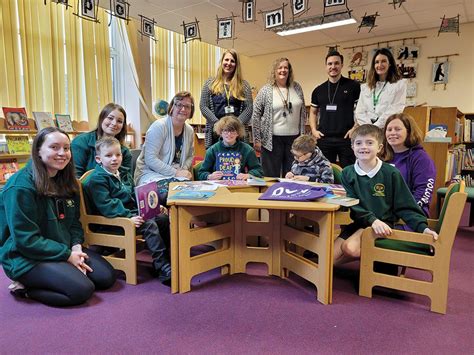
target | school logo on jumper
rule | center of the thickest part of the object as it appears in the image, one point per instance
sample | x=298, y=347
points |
x=379, y=190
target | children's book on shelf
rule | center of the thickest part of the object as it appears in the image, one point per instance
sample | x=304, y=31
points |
x=18, y=144
x=64, y=122
x=147, y=200
x=16, y=119
x=229, y=164
x=191, y=195
x=43, y=120
x=7, y=169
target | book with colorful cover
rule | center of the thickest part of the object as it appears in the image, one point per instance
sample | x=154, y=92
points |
x=196, y=186
x=18, y=144
x=191, y=195
x=229, y=164
x=231, y=182
x=147, y=200
x=339, y=200
x=16, y=119
x=256, y=181
x=43, y=120
x=64, y=122
x=7, y=169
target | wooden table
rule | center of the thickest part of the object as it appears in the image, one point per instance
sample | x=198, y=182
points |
x=232, y=216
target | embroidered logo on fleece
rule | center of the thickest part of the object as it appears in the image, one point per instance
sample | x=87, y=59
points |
x=379, y=190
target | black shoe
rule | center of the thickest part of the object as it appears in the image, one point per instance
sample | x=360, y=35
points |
x=165, y=274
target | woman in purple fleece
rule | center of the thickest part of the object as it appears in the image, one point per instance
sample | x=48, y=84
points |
x=402, y=148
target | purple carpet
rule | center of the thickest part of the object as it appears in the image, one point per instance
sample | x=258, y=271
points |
x=248, y=314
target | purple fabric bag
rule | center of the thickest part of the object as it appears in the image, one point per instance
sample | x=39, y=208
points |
x=291, y=191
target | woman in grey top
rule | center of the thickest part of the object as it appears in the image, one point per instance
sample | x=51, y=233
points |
x=279, y=115
x=226, y=94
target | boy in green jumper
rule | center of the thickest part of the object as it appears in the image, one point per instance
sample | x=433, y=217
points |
x=384, y=196
x=108, y=196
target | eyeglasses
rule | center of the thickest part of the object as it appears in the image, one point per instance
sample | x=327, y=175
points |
x=299, y=156
x=229, y=130
x=180, y=106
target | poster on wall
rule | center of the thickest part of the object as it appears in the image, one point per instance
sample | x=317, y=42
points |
x=358, y=75
x=406, y=52
x=358, y=59
x=411, y=89
x=440, y=73
x=407, y=70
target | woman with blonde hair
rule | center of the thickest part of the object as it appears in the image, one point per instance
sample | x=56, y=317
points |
x=226, y=94
x=279, y=115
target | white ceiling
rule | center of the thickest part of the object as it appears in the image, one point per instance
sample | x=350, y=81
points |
x=253, y=40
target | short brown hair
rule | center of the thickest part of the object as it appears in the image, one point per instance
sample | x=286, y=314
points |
x=304, y=144
x=105, y=113
x=230, y=123
x=414, y=135
x=178, y=97
x=368, y=130
x=105, y=142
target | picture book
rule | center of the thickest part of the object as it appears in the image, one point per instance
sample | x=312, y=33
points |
x=231, y=182
x=229, y=164
x=196, y=186
x=191, y=195
x=256, y=181
x=43, y=120
x=16, y=118
x=64, y=122
x=18, y=144
x=147, y=200
x=339, y=200
x=7, y=169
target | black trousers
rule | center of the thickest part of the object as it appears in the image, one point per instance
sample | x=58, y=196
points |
x=156, y=232
x=60, y=284
x=277, y=163
x=333, y=147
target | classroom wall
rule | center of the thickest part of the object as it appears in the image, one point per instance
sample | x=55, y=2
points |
x=309, y=68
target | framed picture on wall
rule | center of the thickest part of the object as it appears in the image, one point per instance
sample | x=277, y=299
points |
x=407, y=70
x=440, y=73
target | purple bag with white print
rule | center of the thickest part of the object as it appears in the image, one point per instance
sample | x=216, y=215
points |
x=291, y=191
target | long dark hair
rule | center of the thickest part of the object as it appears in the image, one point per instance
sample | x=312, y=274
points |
x=414, y=135
x=64, y=184
x=104, y=113
x=393, y=75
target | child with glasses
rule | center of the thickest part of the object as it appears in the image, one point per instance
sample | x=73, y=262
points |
x=230, y=158
x=310, y=164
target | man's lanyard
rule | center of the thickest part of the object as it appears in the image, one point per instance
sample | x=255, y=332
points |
x=335, y=92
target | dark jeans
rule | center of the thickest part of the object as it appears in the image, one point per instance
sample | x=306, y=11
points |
x=60, y=284
x=333, y=147
x=156, y=232
x=277, y=163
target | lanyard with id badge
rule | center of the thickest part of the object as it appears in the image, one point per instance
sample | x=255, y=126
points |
x=332, y=107
x=229, y=109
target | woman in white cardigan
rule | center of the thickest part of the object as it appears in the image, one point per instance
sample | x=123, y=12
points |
x=168, y=151
x=385, y=92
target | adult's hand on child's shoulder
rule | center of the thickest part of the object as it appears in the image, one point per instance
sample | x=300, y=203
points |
x=431, y=232
x=381, y=228
x=137, y=220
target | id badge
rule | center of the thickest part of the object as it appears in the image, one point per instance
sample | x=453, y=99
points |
x=331, y=107
x=229, y=109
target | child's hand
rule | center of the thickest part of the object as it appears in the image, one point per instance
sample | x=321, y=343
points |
x=163, y=210
x=242, y=176
x=137, y=220
x=433, y=233
x=300, y=178
x=184, y=173
x=381, y=228
x=289, y=175
x=216, y=175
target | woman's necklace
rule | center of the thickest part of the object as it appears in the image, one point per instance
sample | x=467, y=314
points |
x=287, y=105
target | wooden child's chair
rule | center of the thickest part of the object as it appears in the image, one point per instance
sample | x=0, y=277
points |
x=415, y=250
x=123, y=237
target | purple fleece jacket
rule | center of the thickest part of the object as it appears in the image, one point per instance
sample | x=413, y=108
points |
x=419, y=172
